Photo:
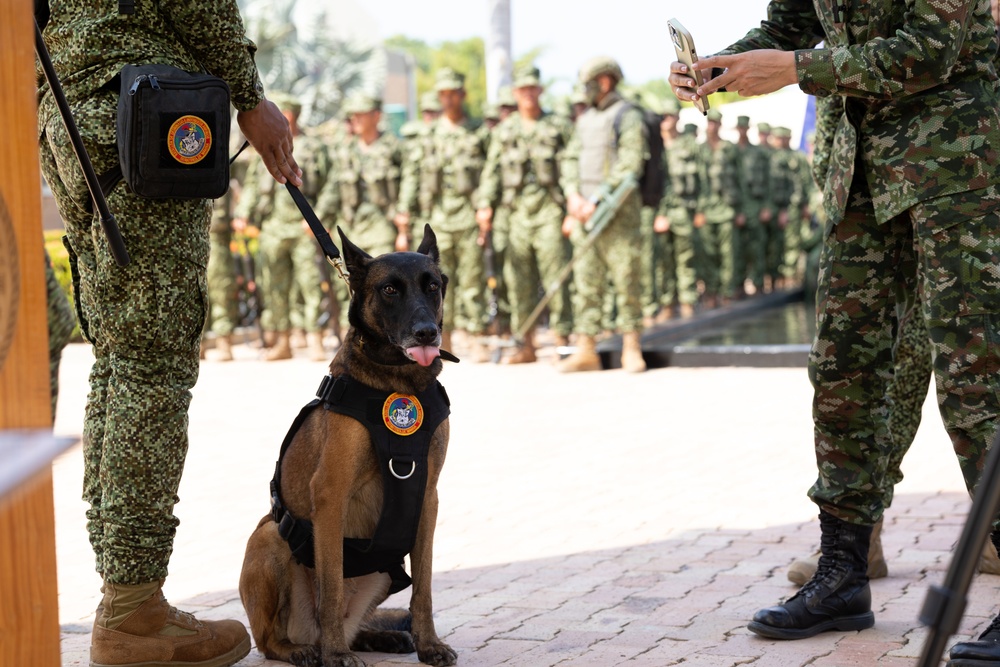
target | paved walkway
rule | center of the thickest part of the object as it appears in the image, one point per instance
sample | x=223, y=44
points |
x=592, y=519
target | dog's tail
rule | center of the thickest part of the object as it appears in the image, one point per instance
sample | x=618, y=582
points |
x=384, y=620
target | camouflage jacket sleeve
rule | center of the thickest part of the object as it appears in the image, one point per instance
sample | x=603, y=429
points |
x=488, y=194
x=409, y=182
x=569, y=167
x=213, y=32
x=828, y=110
x=632, y=149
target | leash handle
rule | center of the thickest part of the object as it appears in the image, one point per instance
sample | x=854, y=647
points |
x=108, y=222
x=322, y=236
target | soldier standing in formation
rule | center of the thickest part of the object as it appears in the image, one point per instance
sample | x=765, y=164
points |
x=442, y=173
x=749, y=245
x=787, y=170
x=718, y=201
x=597, y=160
x=287, y=247
x=522, y=174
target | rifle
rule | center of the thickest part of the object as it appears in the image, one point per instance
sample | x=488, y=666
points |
x=493, y=307
x=248, y=291
x=608, y=206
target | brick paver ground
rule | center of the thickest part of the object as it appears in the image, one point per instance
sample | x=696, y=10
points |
x=590, y=519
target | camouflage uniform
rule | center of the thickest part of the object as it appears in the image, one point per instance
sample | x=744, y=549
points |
x=522, y=173
x=288, y=251
x=442, y=174
x=61, y=322
x=677, y=246
x=362, y=196
x=589, y=163
x=787, y=172
x=223, y=310
x=145, y=319
x=904, y=197
x=755, y=186
x=718, y=201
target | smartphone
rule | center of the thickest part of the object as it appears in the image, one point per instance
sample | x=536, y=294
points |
x=684, y=46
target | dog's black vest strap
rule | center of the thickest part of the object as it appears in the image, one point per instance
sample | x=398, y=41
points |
x=402, y=501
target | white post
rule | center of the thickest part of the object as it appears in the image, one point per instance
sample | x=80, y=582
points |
x=499, y=62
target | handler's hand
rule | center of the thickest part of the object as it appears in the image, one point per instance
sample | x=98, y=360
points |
x=752, y=73
x=268, y=132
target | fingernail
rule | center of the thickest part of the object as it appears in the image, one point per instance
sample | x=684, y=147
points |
x=684, y=68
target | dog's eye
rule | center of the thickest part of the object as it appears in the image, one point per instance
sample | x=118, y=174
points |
x=389, y=290
x=433, y=287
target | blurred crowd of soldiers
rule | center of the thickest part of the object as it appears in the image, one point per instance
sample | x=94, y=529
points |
x=506, y=199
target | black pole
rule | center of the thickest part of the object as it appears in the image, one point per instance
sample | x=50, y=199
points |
x=945, y=604
x=108, y=221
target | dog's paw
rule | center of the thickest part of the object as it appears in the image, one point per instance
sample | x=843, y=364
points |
x=307, y=657
x=342, y=660
x=439, y=654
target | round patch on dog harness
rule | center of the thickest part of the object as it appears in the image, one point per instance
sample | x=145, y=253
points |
x=189, y=139
x=402, y=414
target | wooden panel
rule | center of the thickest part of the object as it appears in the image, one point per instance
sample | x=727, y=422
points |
x=29, y=618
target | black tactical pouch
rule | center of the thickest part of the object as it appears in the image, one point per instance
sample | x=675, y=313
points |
x=173, y=132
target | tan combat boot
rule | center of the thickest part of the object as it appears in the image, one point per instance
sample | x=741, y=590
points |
x=224, y=346
x=297, y=339
x=632, y=360
x=584, y=359
x=526, y=353
x=803, y=569
x=988, y=562
x=269, y=338
x=560, y=341
x=314, y=342
x=138, y=627
x=281, y=349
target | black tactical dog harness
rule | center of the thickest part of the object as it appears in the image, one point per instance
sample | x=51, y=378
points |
x=401, y=426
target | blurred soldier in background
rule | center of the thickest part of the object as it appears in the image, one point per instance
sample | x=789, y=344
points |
x=755, y=209
x=717, y=205
x=787, y=167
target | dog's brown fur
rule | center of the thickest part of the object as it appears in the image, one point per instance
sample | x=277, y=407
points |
x=330, y=475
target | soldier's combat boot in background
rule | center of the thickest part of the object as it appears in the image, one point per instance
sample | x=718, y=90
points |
x=224, y=348
x=584, y=359
x=988, y=562
x=138, y=627
x=297, y=339
x=836, y=598
x=980, y=653
x=526, y=353
x=314, y=342
x=804, y=569
x=686, y=311
x=632, y=360
x=281, y=349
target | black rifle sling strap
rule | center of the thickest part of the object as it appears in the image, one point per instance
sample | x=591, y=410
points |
x=108, y=222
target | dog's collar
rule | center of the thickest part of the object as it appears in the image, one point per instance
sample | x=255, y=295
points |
x=359, y=342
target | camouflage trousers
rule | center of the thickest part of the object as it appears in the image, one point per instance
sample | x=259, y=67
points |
x=501, y=243
x=144, y=321
x=223, y=311
x=714, y=256
x=536, y=252
x=289, y=261
x=615, y=255
x=773, y=246
x=61, y=322
x=948, y=247
x=462, y=262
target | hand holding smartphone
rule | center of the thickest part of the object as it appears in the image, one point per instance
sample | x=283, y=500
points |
x=684, y=47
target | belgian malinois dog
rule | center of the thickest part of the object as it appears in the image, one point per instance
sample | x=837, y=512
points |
x=330, y=474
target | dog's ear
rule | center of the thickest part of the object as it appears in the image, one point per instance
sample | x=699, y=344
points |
x=429, y=245
x=355, y=258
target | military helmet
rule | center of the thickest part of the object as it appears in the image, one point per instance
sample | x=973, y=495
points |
x=600, y=65
x=361, y=103
x=527, y=75
x=448, y=79
x=429, y=102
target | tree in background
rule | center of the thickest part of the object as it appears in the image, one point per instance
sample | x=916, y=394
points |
x=467, y=56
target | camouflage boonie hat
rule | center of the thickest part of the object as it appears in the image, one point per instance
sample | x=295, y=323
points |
x=286, y=102
x=781, y=133
x=361, y=103
x=714, y=115
x=578, y=96
x=743, y=121
x=600, y=65
x=410, y=128
x=491, y=111
x=668, y=106
x=429, y=102
x=527, y=75
x=505, y=97
x=764, y=127
x=448, y=79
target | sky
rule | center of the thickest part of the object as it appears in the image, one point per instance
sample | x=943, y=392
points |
x=572, y=31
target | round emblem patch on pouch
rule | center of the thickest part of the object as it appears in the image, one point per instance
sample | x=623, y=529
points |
x=189, y=139
x=402, y=414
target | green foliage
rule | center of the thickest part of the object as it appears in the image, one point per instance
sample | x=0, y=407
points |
x=467, y=56
x=60, y=265
x=660, y=89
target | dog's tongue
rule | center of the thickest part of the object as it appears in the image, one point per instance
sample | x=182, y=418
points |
x=424, y=355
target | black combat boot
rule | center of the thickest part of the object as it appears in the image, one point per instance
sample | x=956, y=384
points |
x=836, y=598
x=985, y=652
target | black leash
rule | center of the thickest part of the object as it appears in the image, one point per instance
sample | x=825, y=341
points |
x=108, y=222
x=322, y=236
